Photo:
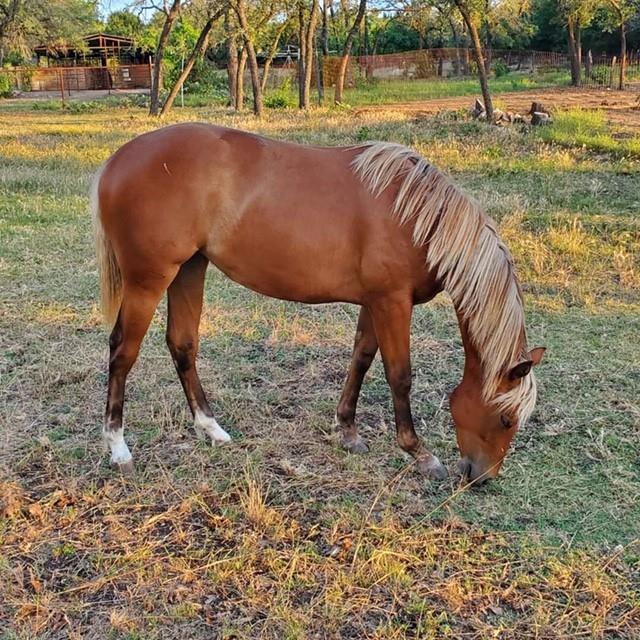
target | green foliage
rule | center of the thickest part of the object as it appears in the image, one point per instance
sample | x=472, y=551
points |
x=25, y=23
x=500, y=69
x=6, y=85
x=282, y=98
x=124, y=23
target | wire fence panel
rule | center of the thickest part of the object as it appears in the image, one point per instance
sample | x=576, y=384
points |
x=597, y=71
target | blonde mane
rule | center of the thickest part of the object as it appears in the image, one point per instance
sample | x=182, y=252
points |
x=463, y=246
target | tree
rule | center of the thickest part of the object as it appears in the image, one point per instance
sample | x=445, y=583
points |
x=171, y=13
x=576, y=15
x=278, y=30
x=241, y=11
x=53, y=23
x=346, y=51
x=307, y=24
x=124, y=23
x=620, y=13
x=198, y=49
x=232, y=57
x=472, y=15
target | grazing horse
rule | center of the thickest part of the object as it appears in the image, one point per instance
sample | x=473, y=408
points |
x=374, y=225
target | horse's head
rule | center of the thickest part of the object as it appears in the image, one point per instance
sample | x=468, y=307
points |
x=485, y=428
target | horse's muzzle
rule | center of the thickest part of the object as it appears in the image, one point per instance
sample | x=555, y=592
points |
x=470, y=473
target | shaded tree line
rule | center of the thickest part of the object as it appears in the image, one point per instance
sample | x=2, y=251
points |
x=248, y=34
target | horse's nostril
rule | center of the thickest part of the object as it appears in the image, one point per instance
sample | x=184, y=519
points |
x=464, y=467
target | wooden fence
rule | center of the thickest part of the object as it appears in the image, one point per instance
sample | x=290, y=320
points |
x=79, y=78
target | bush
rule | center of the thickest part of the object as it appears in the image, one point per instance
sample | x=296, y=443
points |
x=282, y=98
x=6, y=85
x=500, y=69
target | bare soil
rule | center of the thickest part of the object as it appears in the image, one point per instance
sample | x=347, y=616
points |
x=622, y=107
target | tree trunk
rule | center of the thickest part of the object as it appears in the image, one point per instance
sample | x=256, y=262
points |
x=156, y=80
x=272, y=54
x=232, y=59
x=309, y=49
x=574, y=51
x=242, y=63
x=302, y=54
x=623, y=55
x=342, y=69
x=251, y=54
x=198, y=49
x=324, y=33
x=477, y=54
x=456, y=44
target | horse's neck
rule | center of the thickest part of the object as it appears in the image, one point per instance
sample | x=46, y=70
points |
x=472, y=358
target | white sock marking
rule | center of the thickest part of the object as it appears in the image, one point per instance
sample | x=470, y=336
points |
x=120, y=453
x=208, y=426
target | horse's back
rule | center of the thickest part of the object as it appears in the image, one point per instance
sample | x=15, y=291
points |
x=287, y=220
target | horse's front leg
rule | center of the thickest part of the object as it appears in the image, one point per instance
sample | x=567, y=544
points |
x=392, y=323
x=365, y=347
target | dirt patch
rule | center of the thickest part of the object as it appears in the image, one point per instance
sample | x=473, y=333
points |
x=622, y=107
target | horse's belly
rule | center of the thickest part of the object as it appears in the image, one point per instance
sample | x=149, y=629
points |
x=289, y=273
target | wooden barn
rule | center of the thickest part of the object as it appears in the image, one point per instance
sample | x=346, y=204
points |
x=104, y=62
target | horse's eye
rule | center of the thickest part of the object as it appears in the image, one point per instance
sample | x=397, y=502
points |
x=506, y=423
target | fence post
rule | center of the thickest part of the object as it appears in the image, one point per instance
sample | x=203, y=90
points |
x=611, y=75
x=319, y=75
x=61, y=84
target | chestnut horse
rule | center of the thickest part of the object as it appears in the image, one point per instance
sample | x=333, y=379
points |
x=375, y=225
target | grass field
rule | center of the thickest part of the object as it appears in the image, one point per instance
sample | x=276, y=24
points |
x=390, y=91
x=281, y=534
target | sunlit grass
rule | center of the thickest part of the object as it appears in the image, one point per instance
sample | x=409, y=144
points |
x=281, y=534
x=575, y=127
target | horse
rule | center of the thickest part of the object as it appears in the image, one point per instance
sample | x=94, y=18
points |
x=374, y=224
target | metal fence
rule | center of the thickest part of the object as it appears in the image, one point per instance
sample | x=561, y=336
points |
x=603, y=71
x=598, y=71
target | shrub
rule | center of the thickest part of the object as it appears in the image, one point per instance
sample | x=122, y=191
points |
x=281, y=98
x=6, y=85
x=500, y=69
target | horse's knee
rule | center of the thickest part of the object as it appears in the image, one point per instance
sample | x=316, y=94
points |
x=400, y=382
x=363, y=360
x=183, y=352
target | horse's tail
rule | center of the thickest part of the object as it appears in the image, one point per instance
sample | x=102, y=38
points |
x=110, y=275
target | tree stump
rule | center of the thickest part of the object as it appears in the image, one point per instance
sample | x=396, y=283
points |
x=538, y=107
x=539, y=118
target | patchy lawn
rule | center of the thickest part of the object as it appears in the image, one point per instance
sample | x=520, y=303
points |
x=281, y=534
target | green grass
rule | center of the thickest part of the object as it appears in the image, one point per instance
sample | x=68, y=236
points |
x=402, y=90
x=281, y=534
x=590, y=129
x=389, y=91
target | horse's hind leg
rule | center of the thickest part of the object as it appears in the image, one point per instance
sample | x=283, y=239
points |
x=365, y=347
x=185, y=306
x=136, y=311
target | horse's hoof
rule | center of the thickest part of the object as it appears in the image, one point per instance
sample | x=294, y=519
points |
x=356, y=445
x=125, y=468
x=433, y=469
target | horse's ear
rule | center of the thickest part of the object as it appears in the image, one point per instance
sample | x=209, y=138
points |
x=520, y=370
x=536, y=354
x=523, y=368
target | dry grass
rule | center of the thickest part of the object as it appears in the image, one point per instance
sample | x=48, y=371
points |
x=151, y=559
x=281, y=534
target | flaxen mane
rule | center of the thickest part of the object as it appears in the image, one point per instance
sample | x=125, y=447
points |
x=473, y=264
